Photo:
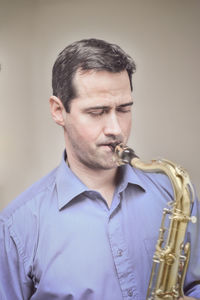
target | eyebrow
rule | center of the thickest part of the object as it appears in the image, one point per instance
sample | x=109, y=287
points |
x=126, y=104
x=106, y=107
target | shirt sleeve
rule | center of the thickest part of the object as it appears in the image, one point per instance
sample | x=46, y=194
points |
x=14, y=283
x=192, y=287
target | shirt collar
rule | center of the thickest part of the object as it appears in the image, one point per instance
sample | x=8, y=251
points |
x=132, y=176
x=70, y=186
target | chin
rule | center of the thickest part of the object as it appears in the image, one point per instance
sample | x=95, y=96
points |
x=100, y=162
x=102, y=165
x=109, y=165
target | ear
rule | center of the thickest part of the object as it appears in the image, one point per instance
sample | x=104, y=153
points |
x=57, y=109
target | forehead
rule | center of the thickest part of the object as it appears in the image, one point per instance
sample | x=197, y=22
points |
x=103, y=85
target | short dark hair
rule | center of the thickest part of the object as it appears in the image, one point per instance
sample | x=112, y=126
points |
x=87, y=54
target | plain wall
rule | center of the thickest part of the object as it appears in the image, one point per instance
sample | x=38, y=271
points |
x=163, y=37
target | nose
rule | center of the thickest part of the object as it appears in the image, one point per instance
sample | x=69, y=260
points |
x=111, y=125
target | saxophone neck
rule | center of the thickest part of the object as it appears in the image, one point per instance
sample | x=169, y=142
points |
x=179, y=178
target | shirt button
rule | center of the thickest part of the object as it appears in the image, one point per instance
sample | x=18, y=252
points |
x=119, y=252
x=130, y=292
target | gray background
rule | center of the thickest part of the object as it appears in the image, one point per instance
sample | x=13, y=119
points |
x=163, y=36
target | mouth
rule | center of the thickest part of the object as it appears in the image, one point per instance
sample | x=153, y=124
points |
x=111, y=145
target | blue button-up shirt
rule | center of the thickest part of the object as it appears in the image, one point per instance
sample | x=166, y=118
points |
x=60, y=240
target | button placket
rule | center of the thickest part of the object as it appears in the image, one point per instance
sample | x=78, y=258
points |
x=120, y=256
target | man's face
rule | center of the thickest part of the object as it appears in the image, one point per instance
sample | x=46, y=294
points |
x=99, y=118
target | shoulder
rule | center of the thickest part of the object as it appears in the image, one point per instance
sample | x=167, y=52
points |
x=20, y=220
x=30, y=198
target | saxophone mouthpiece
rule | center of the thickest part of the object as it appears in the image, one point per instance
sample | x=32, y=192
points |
x=124, y=154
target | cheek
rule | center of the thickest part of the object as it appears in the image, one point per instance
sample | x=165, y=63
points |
x=88, y=131
x=125, y=124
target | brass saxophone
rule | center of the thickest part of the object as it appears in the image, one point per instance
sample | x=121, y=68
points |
x=171, y=257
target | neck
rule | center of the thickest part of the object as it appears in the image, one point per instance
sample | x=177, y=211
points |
x=103, y=181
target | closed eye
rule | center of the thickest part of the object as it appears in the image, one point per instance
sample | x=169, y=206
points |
x=98, y=111
x=124, y=108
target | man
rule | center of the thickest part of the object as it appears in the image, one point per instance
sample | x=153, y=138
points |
x=88, y=229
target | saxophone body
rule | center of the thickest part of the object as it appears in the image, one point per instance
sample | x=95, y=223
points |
x=171, y=257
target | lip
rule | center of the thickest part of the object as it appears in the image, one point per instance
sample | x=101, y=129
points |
x=107, y=147
x=111, y=146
